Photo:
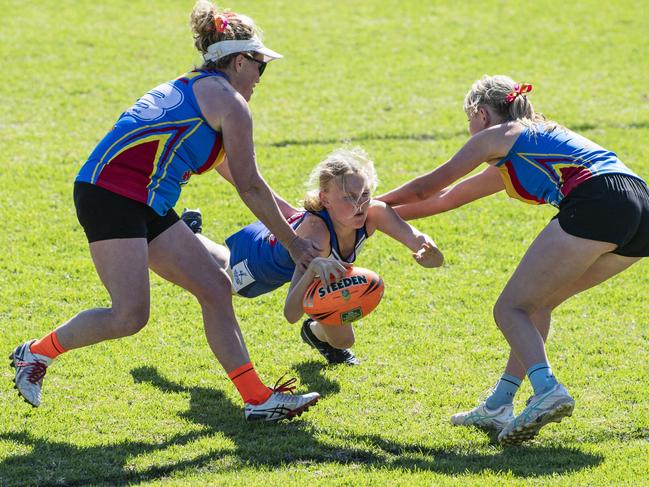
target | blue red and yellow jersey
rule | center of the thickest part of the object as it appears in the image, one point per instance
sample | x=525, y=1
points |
x=156, y=146
x=544, y=166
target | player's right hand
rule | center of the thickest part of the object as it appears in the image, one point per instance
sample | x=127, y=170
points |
x=303, y=251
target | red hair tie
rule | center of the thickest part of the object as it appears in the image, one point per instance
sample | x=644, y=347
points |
x=221, y=23
x=518, y=90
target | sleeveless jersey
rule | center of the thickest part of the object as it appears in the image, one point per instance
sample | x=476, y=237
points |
x=260, y=263
x=156, y=146
x=543, y=167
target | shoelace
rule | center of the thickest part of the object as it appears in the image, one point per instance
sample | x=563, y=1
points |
x=37, y=372
x=286, y=386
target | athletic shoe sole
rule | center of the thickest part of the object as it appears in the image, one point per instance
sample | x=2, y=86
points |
x=529, y=431
x=13, y=366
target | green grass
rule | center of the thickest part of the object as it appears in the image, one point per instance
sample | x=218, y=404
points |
x=389, y=76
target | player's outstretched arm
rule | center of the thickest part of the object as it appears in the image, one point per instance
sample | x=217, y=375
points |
x=385, y=219
x=483, y=184
x=486, y=145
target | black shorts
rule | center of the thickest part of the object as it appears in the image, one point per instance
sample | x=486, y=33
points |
x=609, y=208
x=105, y=215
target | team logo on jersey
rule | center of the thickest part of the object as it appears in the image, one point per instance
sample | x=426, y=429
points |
x=156, y=102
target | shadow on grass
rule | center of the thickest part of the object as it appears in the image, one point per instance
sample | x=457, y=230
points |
x=263, y=445
x=620, y=436
x=312, y=379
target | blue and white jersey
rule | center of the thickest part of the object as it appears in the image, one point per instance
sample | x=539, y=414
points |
x=261, y=264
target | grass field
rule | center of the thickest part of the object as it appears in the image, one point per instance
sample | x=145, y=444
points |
x=388, y=76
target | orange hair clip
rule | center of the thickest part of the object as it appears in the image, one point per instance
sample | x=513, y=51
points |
x=221, y=23
x=519, y=89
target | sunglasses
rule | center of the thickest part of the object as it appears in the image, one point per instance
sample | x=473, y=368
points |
x=261, y=64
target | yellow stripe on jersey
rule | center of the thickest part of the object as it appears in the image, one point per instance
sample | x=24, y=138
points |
x=164, y=173
x=101, y=163
x=510, y=189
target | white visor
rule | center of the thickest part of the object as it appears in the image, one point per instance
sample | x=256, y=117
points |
x=221, y=49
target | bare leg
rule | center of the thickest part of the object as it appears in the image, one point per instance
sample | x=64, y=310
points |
x=605, y=267
x=179, y=257
x=337, y=336
x=122, y=268
x=220, y=253
x=553, y=259
x=541, y=321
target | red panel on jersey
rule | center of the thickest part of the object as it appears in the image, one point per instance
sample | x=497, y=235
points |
x=128, y=173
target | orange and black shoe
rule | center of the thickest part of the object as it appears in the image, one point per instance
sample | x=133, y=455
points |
x=332, y=354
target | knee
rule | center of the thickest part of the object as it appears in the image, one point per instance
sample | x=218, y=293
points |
x=130, y=319
x=344, y=341
x=343, y=344
x=504, y=310
x=500, y=311
x=217, y=292
x=508, y=308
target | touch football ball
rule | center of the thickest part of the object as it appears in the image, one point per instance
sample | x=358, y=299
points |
x=344, y=301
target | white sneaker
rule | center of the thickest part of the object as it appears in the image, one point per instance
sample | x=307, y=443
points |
x=30, y=370
x=550, y=406
x=281, y=405
x=484, y=418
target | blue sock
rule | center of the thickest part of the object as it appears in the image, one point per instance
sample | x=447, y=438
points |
x=541, y=377
x=504, y=391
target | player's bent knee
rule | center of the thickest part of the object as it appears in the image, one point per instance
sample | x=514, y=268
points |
x=343, y=343
x=506, y=309
x=215, y=294
x=130, y=320
x=502, y=311
x=341, y=340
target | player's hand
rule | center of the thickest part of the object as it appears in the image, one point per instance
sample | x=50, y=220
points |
x=303, y=251
x=428, y=255
x=329, y=270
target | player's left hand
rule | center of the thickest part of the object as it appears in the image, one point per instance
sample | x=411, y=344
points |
x=329, y=270
x=428, y=255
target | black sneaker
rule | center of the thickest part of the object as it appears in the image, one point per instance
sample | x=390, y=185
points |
x=332, y=354
x=193, y=219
